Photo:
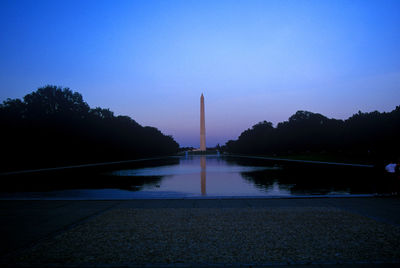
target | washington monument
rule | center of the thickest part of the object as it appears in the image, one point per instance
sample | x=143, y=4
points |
x=202, y=125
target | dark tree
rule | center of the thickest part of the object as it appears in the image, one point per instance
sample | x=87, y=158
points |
x=54, y=126
x=372, y=136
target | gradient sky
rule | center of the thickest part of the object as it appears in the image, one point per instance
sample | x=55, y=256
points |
x=253, y=60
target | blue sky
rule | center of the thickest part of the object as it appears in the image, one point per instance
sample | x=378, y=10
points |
x=253, y=60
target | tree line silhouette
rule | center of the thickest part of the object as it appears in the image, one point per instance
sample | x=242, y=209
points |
x=370, y=136
x=54, y=126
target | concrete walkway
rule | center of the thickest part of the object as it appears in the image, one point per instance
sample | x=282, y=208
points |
x=25, y=223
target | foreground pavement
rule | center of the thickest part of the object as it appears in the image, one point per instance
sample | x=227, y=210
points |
x=45, y=233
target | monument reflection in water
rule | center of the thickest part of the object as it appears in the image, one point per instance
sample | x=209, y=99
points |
x=203, y=174
x=214, y=175
x=206, y=176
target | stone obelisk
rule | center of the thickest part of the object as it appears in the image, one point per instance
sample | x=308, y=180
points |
x=202, y=125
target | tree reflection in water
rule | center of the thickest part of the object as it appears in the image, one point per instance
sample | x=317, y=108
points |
x=219, y=176
x=306, y=178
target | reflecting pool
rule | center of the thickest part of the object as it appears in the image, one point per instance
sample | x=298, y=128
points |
x=203, y=176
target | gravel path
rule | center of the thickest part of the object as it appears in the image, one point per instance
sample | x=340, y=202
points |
x=220, y=235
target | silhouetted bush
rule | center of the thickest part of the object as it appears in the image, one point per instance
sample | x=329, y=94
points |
x=54, y=126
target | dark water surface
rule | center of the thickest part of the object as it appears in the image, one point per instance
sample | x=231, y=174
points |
x=200, y=176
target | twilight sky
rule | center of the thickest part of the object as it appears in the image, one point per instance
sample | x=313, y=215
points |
x=253, y=60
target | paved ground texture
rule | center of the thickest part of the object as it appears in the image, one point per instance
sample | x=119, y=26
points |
x=314, y=232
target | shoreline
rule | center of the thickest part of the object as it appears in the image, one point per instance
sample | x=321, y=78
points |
x=115, y=164
x=200, y=197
